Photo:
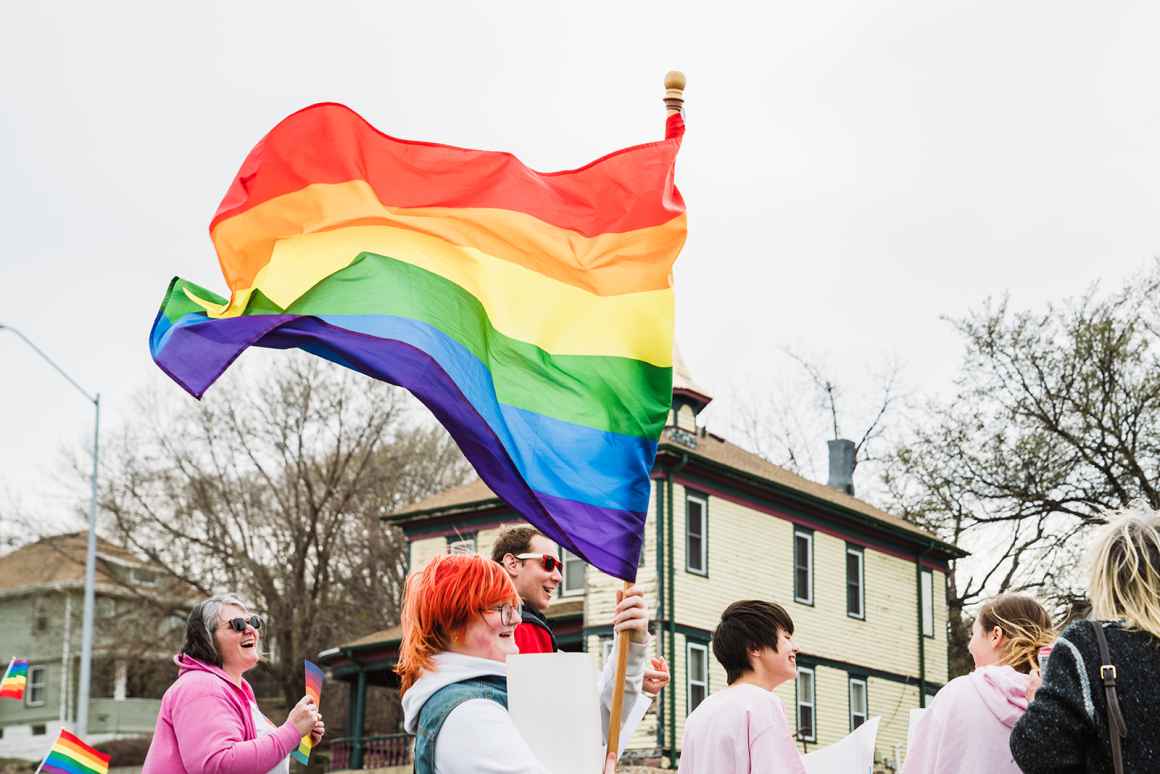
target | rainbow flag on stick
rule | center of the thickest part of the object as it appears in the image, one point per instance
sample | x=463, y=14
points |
x=314, y=691
x=531, y=312
x=69, y=755
x=15, y=680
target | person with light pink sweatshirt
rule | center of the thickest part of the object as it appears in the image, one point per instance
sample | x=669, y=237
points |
x=968, y=727
x=742, y=728
x=209, y=721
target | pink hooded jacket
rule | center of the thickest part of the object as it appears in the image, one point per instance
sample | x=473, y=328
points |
x=967, y=728
x=206, y=725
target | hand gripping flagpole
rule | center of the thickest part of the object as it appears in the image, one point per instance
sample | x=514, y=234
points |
x=674, y=105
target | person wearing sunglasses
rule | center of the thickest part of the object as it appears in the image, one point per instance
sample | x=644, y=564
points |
x=460, y=614
x=532, y=561
x=209, y=720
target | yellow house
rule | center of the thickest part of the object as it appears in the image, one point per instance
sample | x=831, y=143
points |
x=866, y=589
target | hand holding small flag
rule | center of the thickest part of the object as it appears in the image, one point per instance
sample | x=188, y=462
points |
x=313, y=735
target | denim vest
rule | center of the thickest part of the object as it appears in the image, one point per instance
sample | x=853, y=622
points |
x=438, y=707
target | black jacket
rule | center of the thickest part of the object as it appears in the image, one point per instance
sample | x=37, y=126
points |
x=1065, y=730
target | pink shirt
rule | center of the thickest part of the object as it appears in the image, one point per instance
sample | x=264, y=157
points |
x=739, y=730
x=206, y=726
x=968, y=728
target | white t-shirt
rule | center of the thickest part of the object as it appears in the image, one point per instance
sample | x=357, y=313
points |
x=263, y=727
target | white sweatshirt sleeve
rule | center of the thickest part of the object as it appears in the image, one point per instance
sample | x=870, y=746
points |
x=636, y=702
x=479, y=737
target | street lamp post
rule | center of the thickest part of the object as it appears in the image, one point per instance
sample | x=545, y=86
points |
x=82, y=726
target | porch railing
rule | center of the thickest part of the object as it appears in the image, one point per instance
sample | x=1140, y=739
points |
x=378, y=751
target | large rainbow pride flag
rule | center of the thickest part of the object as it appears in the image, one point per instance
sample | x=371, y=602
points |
x=531, y=312
x=15, y=679
x=70, y=755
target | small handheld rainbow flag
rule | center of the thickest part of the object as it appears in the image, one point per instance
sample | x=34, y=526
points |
x=314, y=691
x=15, y=679
x=69, y=755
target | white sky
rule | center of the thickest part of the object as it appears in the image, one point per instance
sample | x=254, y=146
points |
x=852, y=170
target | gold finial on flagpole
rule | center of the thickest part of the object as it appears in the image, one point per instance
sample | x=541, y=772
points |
x=675, y=91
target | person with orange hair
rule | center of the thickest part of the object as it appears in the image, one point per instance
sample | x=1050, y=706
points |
x=459, y=618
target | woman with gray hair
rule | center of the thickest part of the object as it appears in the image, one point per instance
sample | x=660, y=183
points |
x=1097, y=707
x=209, y=721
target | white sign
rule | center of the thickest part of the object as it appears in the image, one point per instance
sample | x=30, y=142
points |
x=853, y=754
x=912, y=726
x=553, y=701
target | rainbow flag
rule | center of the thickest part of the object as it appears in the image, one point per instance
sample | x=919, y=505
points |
x=69, y=755
x=15, y=680
x=314, y=691
x=531, y=312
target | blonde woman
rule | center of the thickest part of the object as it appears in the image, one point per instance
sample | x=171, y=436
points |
x=1066, y=728
x=966, y=729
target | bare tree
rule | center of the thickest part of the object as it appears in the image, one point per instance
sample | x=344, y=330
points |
x=1055, y=419
x=275, y=488
x=789, y=424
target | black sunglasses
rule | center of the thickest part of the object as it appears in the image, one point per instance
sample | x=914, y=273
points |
x=239, y=624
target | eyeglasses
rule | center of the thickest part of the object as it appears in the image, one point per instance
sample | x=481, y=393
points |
x=549, y=562
x=509, y=614
x=239, y=624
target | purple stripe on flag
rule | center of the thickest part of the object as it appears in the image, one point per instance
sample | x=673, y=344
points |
x=607, y=538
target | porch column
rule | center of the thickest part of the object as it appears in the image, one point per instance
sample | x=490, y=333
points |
x=357, y=721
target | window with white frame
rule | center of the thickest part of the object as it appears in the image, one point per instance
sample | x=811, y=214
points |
x=572, y=582
x=36, y=687
x=806, y=703
x=859, y=701
x=696, y=534
x=855, y=582
x=928, y=603
x=697, y=656
x=803, y=565
x=461, y=545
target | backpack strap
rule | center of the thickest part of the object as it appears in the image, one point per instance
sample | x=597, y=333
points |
x=1117, y=728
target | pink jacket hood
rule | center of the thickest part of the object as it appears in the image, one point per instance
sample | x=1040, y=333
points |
x=1003, y=691
x=187, y=664
x=968, y=727
x=206, y=724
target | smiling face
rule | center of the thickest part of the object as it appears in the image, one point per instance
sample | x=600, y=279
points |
x=486, y=636
x=239, y=651
x=777, y=665
x=533, y=583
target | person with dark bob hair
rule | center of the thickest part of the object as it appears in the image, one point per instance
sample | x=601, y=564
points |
x=743, y=728
x=209, y=720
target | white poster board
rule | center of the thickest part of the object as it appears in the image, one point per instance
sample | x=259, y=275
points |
x=853, y=754
x=916, y=716
x=553, y=702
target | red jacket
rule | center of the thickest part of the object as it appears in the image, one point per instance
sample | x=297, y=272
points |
x=534, y=635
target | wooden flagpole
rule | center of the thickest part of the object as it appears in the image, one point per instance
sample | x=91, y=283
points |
x=674, y=103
